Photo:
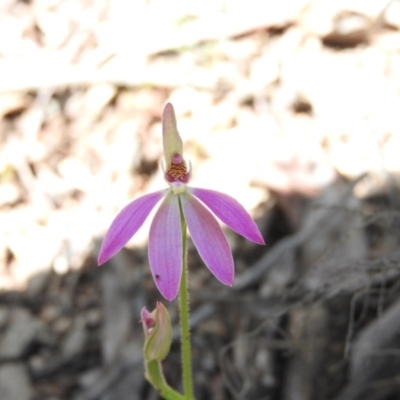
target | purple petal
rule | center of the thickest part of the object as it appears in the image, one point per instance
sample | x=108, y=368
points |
x=208, y=238
x=126, y=224
x=230, y=212
x=165, y=247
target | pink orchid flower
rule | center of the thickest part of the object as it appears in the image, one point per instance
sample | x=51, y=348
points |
x=165, y=240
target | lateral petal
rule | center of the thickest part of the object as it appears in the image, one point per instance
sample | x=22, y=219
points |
x=208, y=238
x=165, y=247
x=230, y=212
x=126, y=224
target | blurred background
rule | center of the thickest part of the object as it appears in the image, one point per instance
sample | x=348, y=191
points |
x=292, y=107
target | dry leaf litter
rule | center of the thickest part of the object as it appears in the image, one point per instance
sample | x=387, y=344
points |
x=292, y=107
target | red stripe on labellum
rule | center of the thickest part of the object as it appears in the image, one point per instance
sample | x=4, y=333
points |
x=177, y=173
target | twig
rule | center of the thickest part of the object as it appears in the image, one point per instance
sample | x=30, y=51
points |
x=290, y=243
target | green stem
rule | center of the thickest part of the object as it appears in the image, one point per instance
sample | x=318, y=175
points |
x=184, y=317
x=156, y=377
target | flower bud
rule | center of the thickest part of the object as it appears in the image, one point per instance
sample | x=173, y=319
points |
x=157, y=331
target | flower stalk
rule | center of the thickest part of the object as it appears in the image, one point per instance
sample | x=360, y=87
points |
x=184, y=314
x=155, y=376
